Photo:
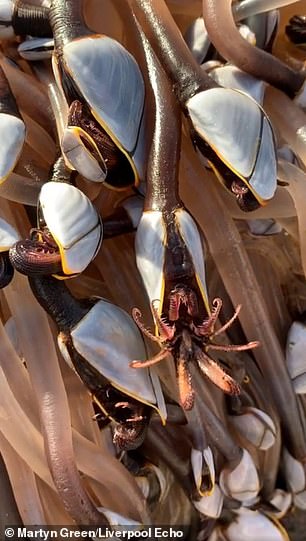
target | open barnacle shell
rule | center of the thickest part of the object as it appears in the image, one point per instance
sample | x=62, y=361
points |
x=255, y=426
x=250, y=154
x=115, y=95
x=73, y=223
x=79, y=156
x=203, y=460
x=241, y=482
x=6, y=15
x=108, y=339
x=151, y=239
x=295, y=356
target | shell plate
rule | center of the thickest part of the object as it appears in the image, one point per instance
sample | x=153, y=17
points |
x=14, y=132
x=151, y=238
x=110, y=80
x=239, y=132
x=109, y=339
x=73, y=222
x=8, y=236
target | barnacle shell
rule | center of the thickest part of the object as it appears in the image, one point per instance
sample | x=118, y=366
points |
x=8, y=235
x=241, y=483
x=112, y=71
x=210, y=505
x=295, y=356
x=13, y=130
x=217, y=115
x=150, y=251
x=109, y=339
x=74, y=224
x=256, y=426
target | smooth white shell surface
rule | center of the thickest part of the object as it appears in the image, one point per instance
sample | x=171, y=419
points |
x=8, y=235
x=241, y=483
x=237, y=129
x=231, y=77
x=36, y=48
x=296, y=356
x=118, y=520
x=73, y=222
x=230, y=122
x=197, y=40
x=111, y=82
x=281, y=500
x=211, y=505
x=253, y=526
x=109, y=339
x=13, y=135
x=79, y=157
x=255, y=426
x=150, y=252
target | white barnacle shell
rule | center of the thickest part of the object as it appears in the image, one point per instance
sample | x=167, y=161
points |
x=240, y=133
x=252, y=526
x=198, y=40
x=6, y=14
x=13, y=133
x=296, y=356
x=255, y=426
x=230, y=76
x=242, y=482
x=8, y=235
x=110, y=81
x=150, y=243
x=295, y=477
x=74, y=224
x=36, y=48
x=211, y=504
x=202, y=459
x=109, y=340
x=281, y=501
x=78, y=155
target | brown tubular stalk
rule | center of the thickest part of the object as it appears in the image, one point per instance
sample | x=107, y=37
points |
x=54, y=413
x=171, y=49
x=233, y=264
x=229, y=43
x=67, y=22
x=163, y=163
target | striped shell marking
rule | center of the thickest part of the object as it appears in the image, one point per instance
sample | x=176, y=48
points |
x=109, y=339
x=8, y=236
x=13, y=133
x=74, y=224
x=111, y=82
x=6, y=15
x=237, y=129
